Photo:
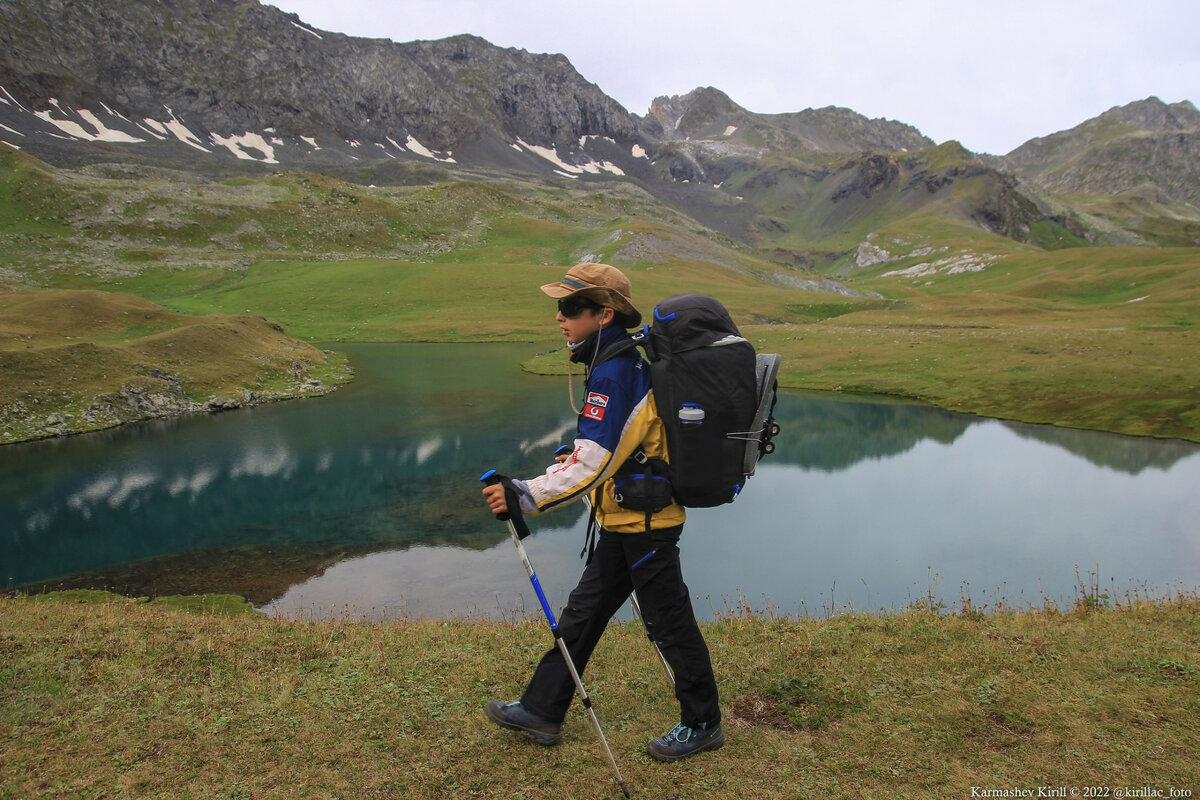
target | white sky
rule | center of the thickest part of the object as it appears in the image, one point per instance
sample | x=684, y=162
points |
x=990, y=73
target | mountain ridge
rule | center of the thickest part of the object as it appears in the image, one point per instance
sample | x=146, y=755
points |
x=223, y=86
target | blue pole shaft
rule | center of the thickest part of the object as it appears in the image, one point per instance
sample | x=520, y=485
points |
x=492, y=478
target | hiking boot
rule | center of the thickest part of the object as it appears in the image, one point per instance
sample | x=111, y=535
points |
x=514, y=717
x=682, y=742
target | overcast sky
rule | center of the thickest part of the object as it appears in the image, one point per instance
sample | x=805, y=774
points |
x=990, y=73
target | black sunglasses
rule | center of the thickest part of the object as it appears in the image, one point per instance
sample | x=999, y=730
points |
x=572, y=307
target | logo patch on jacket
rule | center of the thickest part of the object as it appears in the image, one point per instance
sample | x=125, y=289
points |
x=594, y=408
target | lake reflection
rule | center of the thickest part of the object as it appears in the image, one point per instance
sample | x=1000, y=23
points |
x=366, y=503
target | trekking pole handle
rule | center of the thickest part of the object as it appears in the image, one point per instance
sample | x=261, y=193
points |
x=513, y=514
x=491, y=478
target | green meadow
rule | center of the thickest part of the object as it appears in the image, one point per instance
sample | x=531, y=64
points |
x=103, y=696
x=1088, y=337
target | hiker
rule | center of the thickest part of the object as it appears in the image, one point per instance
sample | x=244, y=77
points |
x=636, y=550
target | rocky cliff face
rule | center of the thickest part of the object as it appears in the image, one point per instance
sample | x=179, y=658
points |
x=236, y=77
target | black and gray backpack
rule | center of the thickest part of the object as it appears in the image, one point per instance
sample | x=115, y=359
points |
x=716, y=397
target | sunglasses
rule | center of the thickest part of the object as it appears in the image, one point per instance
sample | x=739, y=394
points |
x=573, y=307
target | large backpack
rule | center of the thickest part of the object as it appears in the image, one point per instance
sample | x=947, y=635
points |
x=714, y=393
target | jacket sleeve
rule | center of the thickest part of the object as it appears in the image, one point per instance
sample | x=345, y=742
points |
x=606, y=412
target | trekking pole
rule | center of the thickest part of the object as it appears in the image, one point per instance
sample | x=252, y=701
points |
x=637, y=612
x=519, y=530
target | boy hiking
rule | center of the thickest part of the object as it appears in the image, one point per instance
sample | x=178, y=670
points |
x=637, y=549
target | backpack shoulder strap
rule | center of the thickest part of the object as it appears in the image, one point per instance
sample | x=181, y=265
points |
x=617, y=348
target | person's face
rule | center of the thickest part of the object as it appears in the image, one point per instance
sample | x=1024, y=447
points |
x=582, y=324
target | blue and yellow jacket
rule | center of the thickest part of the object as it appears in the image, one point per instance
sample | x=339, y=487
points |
x=619, y=416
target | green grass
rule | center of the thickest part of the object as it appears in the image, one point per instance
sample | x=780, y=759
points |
x=1090, y=337
x=102, y=696
x=91, y=360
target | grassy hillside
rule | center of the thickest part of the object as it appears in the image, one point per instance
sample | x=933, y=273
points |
x=941, y=310
x=74, y=361
x=102, y=695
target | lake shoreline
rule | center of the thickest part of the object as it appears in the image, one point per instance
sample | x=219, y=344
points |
x=543, y=364
x=59, y=423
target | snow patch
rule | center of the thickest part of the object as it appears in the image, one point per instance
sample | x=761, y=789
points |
x=153, y=127
x=11, y=100
x=551, y=155
x=311, y=142
x=1138, y=299
x=583, y=140
x=730, y=130
x=180, y=131
x=10, y=130
x=638, y=151
x=309, y=30
x=422, y=150
x=238, y=144
x=75, y=130
x=105, y=133
x=597, y=167
x=112, y=113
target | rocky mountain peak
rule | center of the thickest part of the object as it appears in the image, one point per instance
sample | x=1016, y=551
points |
x=708, y=113
x=702, y=112
x=1147, y=147
x=1153, y=114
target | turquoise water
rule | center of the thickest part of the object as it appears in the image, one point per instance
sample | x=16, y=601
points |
x=366, y=503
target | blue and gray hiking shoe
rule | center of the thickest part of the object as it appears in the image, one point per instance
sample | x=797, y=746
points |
x=514, y=717
x=682, y=742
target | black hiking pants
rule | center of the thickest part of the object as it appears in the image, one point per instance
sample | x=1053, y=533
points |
x=666, y=607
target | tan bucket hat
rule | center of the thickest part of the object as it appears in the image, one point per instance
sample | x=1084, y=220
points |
x=600, y=283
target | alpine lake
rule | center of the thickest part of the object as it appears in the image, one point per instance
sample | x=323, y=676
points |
x=366, y=504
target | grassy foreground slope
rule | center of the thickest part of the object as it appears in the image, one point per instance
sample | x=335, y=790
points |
x=105, y=696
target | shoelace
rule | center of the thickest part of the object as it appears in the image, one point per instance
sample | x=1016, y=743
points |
x=680, y=733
